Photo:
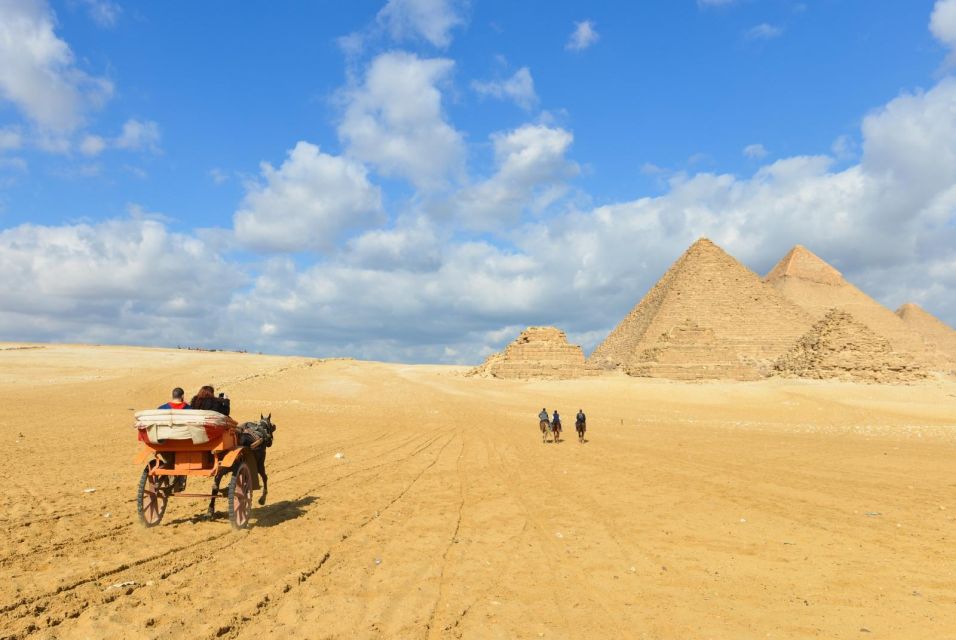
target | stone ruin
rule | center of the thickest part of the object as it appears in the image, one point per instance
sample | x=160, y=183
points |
x=539, y=352
x=841, y=347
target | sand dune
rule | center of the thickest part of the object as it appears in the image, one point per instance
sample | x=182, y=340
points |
x=778, y=508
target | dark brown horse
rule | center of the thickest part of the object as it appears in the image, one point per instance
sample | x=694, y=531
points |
x=257, y=436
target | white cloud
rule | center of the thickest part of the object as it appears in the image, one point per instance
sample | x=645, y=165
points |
x=519, y=87
x=531, y=174
x=755, y=151
x=308, y=203
x=10, y=138
x=218, y=176
x=139, y=135
x=92, y=145
x=394, y=121
x=103, y=12
x=126, y=281
x=430, y=20
x=942, y=22
x=583, y=36
x=764, y=31
x=38, y=72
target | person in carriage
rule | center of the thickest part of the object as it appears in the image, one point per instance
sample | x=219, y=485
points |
x=177, y=401
x=206, y=400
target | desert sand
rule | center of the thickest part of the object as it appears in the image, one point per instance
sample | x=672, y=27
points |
x=768, y=509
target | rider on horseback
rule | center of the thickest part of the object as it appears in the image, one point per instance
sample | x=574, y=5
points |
x=556, y=420
x=543, y=415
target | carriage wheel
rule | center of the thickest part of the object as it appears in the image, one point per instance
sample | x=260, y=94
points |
x=151, y=498
x=240, y=496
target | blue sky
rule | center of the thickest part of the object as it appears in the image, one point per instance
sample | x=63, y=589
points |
x=418, y=179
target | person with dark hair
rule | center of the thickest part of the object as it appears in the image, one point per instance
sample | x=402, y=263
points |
x=177, y=401
x=206, y=400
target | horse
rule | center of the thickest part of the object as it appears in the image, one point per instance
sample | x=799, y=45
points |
x=581, y=427
x=546, y=430
x=258, y=437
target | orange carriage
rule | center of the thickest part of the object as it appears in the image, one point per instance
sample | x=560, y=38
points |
x=179, y=444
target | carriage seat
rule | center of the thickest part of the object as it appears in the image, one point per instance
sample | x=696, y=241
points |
x=158, y=425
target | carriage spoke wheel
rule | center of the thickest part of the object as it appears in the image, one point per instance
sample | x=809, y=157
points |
x=151, y=498
x=240, y=496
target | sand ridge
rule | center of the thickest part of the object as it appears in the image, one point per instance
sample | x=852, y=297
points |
x=787, y=508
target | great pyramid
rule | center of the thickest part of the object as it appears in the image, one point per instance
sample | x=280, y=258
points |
x=808, y=281
x=539, y=352
x=707, y=317
x=935, y=332
x=841, y=347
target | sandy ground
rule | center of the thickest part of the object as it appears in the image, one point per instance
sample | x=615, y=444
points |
x=778, y=509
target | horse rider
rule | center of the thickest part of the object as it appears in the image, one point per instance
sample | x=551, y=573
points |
x=543, y=415
x=556, y=420
x=581, y=419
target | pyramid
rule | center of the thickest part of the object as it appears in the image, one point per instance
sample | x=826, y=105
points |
x=839, y=346
x=707, y=317
x=811, y=283
x=539, y=352
x=935, y=332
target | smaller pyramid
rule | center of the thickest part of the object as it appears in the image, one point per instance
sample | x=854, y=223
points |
x=539, y=352
x=841, y=347
x=809, y=282
x=937, y=333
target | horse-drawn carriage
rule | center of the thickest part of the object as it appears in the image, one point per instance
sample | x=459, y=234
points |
x=179, y=444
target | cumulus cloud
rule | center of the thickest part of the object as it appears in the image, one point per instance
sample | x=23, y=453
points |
x=394, y=121
x=139, y=135
x=92, y=145
x=38, y=71
x=117, y=281
x=583, y=270
x=755, y=151
x=429, y=20
x=942, y=22
x=519, y=88
x=583, y=36
x=531, y=172
x=308, y=203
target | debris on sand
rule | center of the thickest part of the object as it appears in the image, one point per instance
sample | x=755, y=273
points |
x=339, y=456
x=90, y=490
